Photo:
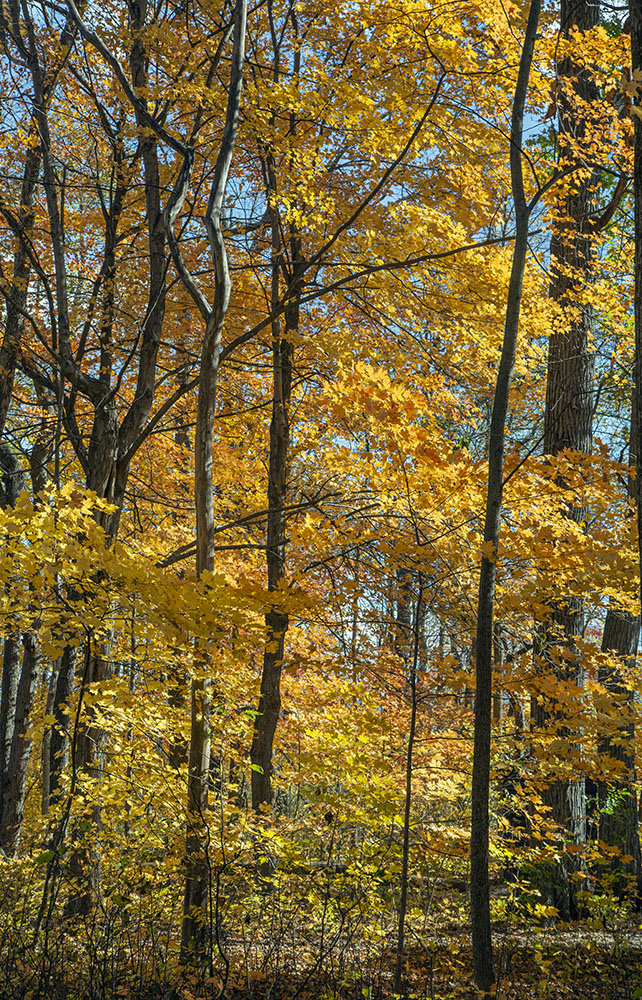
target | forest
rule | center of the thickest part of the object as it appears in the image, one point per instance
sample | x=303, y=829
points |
x=320, y=416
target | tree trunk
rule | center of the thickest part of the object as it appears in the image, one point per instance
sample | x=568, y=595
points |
x=635, y=8
x=568, y=417
x=405, y=849
x=18, y=294
x=617, y=801
x=14, y=782
x=12, y=487
x=111, y=447
x=196, y=932
x=59, y=744
x=10, y=680
x=276, y=619
x=25, y=215
x=46, y=737
x=618, y=806
x=403, y=626
x=484, y=970
x=498, y=660
x=84, y=864
x=178, y=751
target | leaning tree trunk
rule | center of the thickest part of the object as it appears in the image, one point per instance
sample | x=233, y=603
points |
x=483, y=964
x=568, y=417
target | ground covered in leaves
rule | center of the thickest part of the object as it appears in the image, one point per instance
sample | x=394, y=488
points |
x=572, y=962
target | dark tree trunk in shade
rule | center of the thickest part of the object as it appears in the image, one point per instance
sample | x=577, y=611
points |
x=568, y=416
x=635, y=9
x=12, y=477
x=618, y=806
x=13, y=482
x=483, y=963
x=59, y=742
x=416, y=626
x=9, y=697
x=617, y=800
x=24, y=214
x=108, y=453
x=403, y=620
x=85, y=862
x=46, y=737
x=276, y=620
x=14, y=783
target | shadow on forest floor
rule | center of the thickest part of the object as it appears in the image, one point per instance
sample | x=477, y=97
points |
x=568, y=962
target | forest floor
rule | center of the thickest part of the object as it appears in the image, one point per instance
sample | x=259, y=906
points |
x=555, y=964
x=561, y=962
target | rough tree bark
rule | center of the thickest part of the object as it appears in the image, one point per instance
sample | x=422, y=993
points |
x=276, y=619
x=568, y=416
x=617, y=800
x=483, y=964
x=12, y=486
x=618, y=805
x=14, y=779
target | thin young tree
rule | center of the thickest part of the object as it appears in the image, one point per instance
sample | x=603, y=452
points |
x=483, y=963
x=635, y=10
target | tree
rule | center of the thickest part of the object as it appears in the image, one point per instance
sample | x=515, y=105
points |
x=636, y=414
x=568, y=416
x=280, y=354
x=479, y=830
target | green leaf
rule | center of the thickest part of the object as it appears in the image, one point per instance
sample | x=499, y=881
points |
x=45, y=858
x=120, y=900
